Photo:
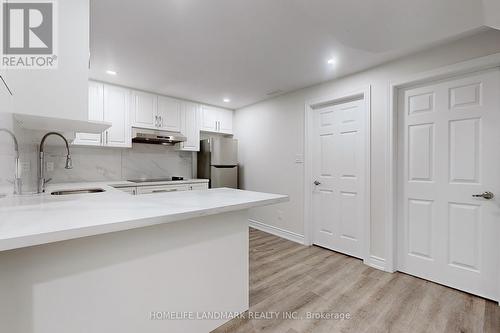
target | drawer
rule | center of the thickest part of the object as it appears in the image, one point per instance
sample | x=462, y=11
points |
x=161, y=189
x=202, y=186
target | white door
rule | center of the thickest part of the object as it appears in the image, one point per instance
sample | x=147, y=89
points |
x=449, y=136
x=190, y=127
x=116, y=111
x=96, y=113
x=144, y=110
x=225, y=119
x=339, y=165
x=208, y=118
x=169, y=114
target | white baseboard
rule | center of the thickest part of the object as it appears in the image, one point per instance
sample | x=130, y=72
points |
x=292, y=236
x=376, y=262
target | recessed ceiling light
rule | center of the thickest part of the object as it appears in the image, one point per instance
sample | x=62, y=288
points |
x=226, y=100
x=331, y=61
x=110, y=72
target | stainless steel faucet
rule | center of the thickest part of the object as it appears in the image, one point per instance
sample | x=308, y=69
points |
x=41, y=162
x=17, y=177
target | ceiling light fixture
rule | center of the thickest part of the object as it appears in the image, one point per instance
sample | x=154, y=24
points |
x=110, y=72
x=226, y=100
x=331, y=61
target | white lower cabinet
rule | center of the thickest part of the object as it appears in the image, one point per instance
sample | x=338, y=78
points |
x=111, y=104
x=137, y=190
x=200, y=186
x=161, y=188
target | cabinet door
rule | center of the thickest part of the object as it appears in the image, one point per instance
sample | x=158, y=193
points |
x=190, y=127
x=144, y=110
x=196, y=187
x=161, y=188
x=96, y=112
x=116, y=111
x=225, y=118
x=208, y=118
x=169, y=114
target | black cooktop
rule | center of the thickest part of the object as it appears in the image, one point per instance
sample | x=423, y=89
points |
x=152, y=180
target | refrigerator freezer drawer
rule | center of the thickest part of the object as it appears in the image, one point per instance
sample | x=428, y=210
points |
x=224, y=177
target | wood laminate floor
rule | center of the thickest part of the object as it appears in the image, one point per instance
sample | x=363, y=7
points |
x=295, y=280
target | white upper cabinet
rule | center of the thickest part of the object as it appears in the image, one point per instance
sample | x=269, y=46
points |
x=111, y=104
x=216, y=120
x=225, y=121
x=116, y=111
x=208, y=118
x=156, y=112
x=169, y=114
x=96, y=113
x=144, y=110
x=190, y=127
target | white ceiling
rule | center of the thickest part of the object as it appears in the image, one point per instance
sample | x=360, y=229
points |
x=206, y=50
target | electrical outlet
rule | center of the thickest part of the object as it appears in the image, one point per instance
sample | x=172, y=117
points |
x=50, y=166
x=299, y=158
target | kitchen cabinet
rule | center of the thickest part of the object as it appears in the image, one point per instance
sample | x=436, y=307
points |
x=200, y=186
x=169, y=114
x=156, y=112
x=144, y=110
x=96, y=113
x=161, y=188
x=116, y=111
x=190, y=127
x=137, y=190
x=216, y=120
x=225, y=121
x=111, y=104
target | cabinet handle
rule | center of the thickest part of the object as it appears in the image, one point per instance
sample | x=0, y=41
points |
x=161, y=121
x=156, y=121
x=107, y=137
x=162, y=191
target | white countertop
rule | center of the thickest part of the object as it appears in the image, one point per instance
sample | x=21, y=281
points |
x=40, y=219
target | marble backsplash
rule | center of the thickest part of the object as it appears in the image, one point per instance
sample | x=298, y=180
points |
x=95, y=164
x=89, y=163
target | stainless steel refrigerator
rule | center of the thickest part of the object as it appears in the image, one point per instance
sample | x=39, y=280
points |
x=218, y=162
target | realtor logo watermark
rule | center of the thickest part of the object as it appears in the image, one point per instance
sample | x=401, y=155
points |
x=29, y=34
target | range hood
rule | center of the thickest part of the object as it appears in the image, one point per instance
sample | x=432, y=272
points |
x=141, y=135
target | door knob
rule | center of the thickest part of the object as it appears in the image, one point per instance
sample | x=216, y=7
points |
x=316, y=183
x=485, y=195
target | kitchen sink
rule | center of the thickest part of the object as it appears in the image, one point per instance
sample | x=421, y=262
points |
x=79, y=191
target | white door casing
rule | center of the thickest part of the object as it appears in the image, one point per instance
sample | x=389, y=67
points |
x=339, y=166
x=448, y=150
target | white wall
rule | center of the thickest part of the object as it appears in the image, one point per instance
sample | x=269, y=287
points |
x=271, y=133
x=60, y=92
